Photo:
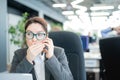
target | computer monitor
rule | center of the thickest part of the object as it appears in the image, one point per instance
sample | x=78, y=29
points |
x=15, y=76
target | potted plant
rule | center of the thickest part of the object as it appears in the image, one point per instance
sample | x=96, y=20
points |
x=17, y=31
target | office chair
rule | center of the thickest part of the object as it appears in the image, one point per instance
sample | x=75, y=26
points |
x=110, y=53
x=71, y=42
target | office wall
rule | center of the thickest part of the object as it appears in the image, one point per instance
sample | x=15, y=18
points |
x=12, y=20
x=44, y=9
x=3, y=34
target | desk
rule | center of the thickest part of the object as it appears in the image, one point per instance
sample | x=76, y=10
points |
x=92, y=64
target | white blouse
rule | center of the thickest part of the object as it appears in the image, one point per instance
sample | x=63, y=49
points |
x=40, y=67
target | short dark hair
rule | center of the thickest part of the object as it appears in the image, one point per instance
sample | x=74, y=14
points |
x=37, y=20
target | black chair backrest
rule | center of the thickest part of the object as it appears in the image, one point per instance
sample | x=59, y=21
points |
x=71, y=42
x=110, y=53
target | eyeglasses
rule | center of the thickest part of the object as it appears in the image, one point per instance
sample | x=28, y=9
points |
x=39, y=35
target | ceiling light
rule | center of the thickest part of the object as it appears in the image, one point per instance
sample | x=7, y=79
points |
x=100, y=14
x=116, y=12
x=59, y=5
x=82, y=13
x=82, y=8
x=76, y=2
x=102, y=7
x=68, y=12
x=72, y=17
x=119, y=7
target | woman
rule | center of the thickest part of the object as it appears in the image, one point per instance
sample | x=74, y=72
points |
x=31, y=59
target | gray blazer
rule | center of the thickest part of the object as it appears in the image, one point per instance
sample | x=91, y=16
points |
x=56, y=68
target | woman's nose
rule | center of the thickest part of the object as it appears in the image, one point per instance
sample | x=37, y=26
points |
x=34, y=38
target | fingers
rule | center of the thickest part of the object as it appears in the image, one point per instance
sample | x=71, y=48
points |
x=34, y=50
x=36, y=47
x=49, y=43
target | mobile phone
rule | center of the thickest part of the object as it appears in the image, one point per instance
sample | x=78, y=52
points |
x=46, y=47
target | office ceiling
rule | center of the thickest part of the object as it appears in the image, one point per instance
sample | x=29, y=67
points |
x=85, y=3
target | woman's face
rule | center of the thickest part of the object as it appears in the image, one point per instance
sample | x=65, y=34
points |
x=37, y=32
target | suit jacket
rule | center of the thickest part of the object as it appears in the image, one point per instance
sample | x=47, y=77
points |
x=56, y=68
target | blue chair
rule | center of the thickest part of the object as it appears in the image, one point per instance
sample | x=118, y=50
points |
x=71, y=42
x=85, y=43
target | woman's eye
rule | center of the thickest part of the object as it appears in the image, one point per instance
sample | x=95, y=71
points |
x=29, y=34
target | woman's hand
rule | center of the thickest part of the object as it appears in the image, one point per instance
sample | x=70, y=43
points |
x=33, y=51
x=50, y=51
x=117, y=29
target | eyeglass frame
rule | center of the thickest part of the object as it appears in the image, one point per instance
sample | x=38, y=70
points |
x=35, y=35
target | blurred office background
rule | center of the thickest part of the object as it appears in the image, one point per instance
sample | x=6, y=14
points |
x=84, y=17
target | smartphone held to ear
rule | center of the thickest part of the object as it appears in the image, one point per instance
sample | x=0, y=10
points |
x=42, y=54
x=46, y=47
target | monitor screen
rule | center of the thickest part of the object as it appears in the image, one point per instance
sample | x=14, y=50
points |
x=15, y=76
